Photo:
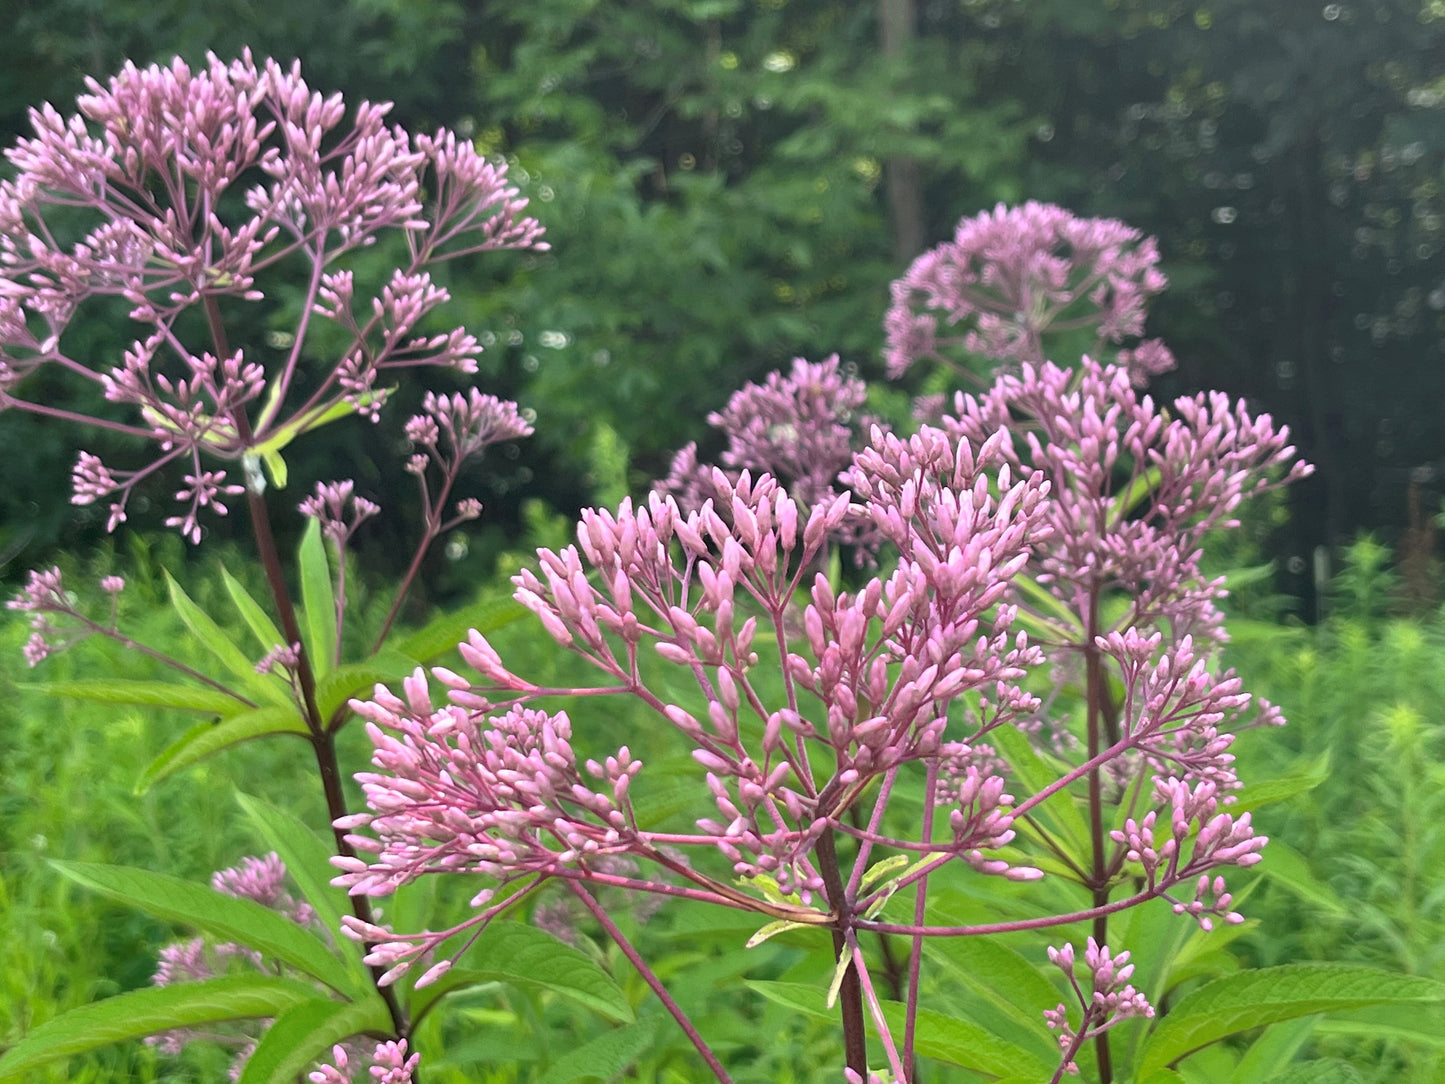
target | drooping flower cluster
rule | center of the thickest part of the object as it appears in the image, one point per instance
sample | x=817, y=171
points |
x=199, y=185
x=1011, y=276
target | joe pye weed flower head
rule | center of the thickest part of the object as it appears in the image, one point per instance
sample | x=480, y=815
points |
x=1044, y=535
x=1038, y=597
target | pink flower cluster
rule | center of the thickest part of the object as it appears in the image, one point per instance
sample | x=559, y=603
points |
x=1111, y=999
x=56, y=620
x=389, y=1065
x=262, y=880
x=199, y=184
x=330, y=504
x=1094, y=494
x=800, y=427
x=450, y=430
x=489, y=784
x=1011, y=276
x=1135, y=488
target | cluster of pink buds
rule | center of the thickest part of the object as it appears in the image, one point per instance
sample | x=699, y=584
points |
x=200, y=187
x=330, y=504
x=1011, y=276
x=1135, y=489
x=1111, y=999
x=389, y=1064
x=56, y=620
x=489, y=784
x=450, y=430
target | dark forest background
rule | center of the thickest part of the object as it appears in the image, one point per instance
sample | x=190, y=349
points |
x=728, y=184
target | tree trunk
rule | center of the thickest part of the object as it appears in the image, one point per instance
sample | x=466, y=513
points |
x=902, y=179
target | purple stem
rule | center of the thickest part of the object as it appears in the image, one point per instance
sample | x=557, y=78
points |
x=915, y=959
x=433, y=529
x=871, y=996
x=850, y=991
x=1098, y=882
x=650, y=977
x=323, y=743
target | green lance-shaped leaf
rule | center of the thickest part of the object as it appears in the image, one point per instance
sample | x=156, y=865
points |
x=525, y=956
x=1421, y=1024
x=958, y=1042
x=206, y=739
x=149, y=694
x=204, y=628
x=227, y=917
x=360, y=678
x=1320, y=1071
x=308, y=864
x=305, y=1033
x=144, y=1012
x=605, y=1057
x=1058, y=814
x=442, y=635
x=1003, y=981
x=304, y=422
x=1270, y=791
x=318, y=600
x=1253, y=999
x=257, y=620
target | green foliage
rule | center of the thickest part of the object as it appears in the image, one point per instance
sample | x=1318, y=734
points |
x=1256, y=999
x=1353, y=874
x=144, y=1012
x=226, y=917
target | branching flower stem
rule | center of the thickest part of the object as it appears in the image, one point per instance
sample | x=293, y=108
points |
x=322, y=739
